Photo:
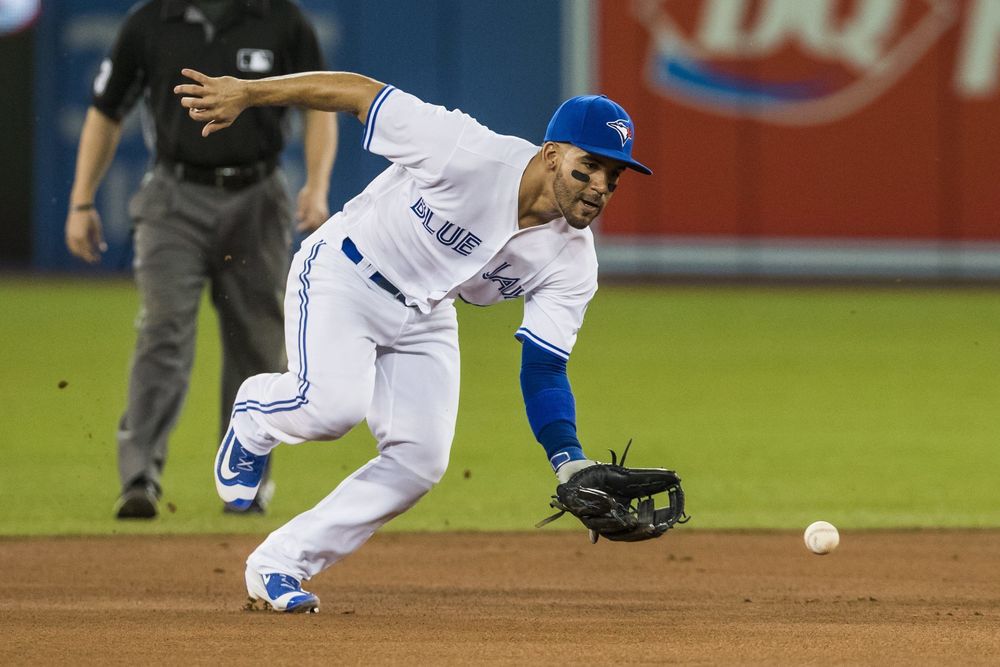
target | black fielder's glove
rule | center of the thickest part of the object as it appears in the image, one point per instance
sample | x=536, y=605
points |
x=617, y=503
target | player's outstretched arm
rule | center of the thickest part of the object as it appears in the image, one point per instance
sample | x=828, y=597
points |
x=548, y=400
x=218, y=101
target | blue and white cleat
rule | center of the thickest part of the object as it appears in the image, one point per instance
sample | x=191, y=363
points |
x=238, y=473
x=280, y=592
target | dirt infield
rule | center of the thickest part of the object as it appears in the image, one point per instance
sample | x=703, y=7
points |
x=540, y=598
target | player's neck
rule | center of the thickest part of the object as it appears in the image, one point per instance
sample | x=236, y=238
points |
x=536, y=201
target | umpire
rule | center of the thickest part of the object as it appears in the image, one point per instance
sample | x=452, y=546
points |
x=210, y=211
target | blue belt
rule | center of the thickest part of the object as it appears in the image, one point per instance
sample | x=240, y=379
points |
x=355, y=256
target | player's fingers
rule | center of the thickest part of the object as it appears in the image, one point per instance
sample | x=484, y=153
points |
x=205, y=116
x=214, y=126
x=195, y=75
x=189, y=93
x=193, y=102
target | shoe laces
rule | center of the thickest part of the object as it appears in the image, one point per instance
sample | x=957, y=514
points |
x=246, y=463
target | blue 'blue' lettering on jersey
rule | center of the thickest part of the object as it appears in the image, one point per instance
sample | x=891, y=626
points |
x=447, y=234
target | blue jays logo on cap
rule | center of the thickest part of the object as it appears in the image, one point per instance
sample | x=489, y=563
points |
x=599, y=126
x=624, y=128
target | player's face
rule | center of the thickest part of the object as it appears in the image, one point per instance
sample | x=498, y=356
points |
x=584, y=184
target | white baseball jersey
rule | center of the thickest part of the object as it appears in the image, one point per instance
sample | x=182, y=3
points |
x=442, y=221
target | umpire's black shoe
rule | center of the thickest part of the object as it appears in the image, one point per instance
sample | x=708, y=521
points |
x=137, y=502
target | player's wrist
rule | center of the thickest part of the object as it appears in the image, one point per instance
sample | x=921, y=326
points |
x=79, y=207
x=570, y=468
x=247, y=92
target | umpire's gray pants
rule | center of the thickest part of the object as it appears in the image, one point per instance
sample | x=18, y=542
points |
x=187, y=235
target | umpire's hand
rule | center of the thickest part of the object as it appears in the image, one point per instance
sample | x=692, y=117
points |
x=311, y=210
x=84, y=236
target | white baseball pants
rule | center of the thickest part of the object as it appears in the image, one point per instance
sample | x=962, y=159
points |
x=354, y=352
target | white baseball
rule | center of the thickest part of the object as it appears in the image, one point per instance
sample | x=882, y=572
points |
x=821, y=537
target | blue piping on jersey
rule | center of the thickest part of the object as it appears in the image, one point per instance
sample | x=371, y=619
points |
x=297, y=401
x=366, y=140
x=524, y=333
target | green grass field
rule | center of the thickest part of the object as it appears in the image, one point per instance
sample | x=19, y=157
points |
x=868, y=407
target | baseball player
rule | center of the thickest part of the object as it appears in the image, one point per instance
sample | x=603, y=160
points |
x=371, y=332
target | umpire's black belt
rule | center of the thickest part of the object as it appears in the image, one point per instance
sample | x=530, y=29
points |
x=355, y=256
x=231, y=178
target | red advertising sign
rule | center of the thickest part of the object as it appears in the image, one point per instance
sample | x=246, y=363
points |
x=809, y=119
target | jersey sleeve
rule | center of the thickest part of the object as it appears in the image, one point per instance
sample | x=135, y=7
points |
x=418, y=136
x=553, y=313
x=119, y=80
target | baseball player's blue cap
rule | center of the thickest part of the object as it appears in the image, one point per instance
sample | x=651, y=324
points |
x=598, y=125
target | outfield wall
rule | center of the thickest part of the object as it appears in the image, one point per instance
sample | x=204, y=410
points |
x=499, y=61
x=844, y=138
x=852, y=138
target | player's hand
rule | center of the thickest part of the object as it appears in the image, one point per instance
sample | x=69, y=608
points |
x=84, y=236
x=312, y=209
x=215, y=101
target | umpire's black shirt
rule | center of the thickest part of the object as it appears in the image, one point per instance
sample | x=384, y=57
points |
x=250, y=39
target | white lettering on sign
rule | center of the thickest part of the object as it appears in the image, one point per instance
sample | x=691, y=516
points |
x=979, y=57
x=878, y=41
x=860, y=41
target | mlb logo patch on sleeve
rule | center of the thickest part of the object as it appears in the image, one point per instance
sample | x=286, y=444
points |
x=259, y=61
